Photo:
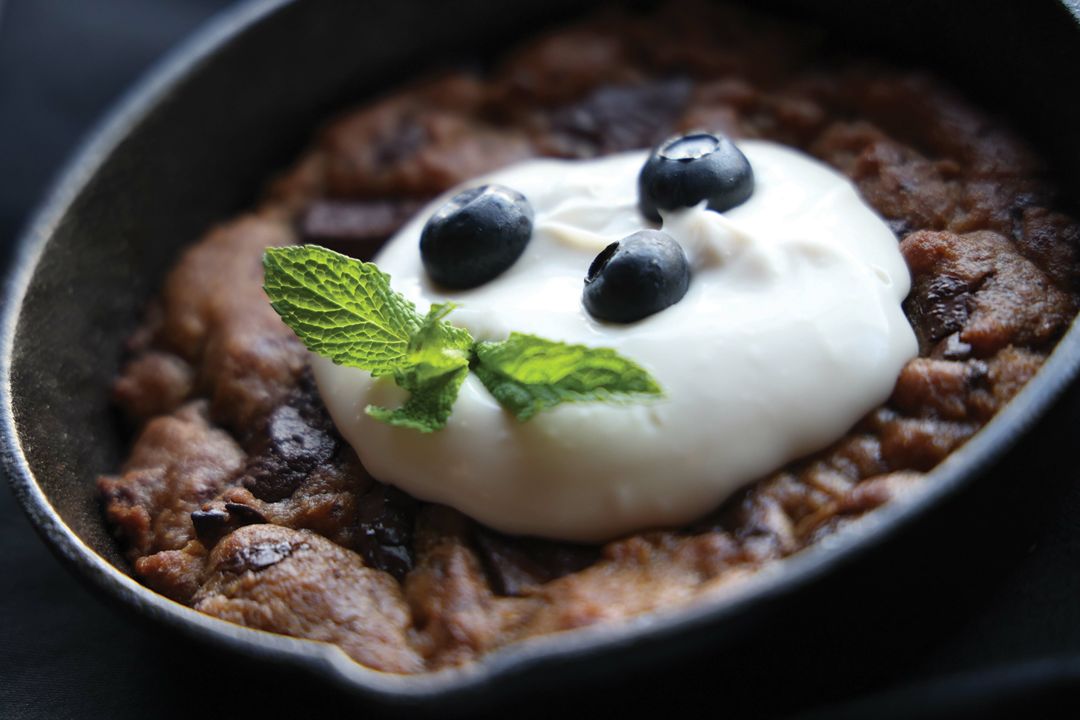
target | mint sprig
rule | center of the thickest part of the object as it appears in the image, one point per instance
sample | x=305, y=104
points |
x=340, y=308
x=527, y=374
x=436, y=363
x=345, y=310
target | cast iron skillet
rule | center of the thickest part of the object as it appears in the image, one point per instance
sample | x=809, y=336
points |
x=192, y=144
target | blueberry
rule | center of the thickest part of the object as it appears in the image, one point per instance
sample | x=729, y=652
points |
x=476, y=236
x=640, y=275
x=683, y=171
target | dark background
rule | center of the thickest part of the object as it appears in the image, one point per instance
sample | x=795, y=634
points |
x=975, y=611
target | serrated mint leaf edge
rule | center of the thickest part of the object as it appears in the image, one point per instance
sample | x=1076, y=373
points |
x=535, y=397
x=306, y=306
x=407, y=416
x=433, y=387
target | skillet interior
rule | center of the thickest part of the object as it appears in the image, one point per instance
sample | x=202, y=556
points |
x=186, y=152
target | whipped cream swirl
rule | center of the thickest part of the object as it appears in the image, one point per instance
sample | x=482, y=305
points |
x=792, y=330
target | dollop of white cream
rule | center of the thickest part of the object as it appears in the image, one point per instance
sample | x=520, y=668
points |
x=790, y=332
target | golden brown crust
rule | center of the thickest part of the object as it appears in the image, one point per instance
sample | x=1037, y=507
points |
x=297, y=583
x=178, y=462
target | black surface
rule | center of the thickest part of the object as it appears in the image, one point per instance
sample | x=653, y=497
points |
x=989, y=620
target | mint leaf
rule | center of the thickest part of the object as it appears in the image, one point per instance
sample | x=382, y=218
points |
x=341, y=308
x=345, y=310
x=528, y=374
x=436, y=363
x=439, y=344
x=430, y=402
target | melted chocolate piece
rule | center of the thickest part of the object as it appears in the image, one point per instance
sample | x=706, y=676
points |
x=244, y=514
x=299, y=437
x=939, y=307
x=386, y=529
x=300, y=443
x=355, y=228
x=515, y=563
x=626, y=117
x=259, y=556
x=212, y=524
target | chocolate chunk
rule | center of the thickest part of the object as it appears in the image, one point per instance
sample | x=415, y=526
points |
x=260, y=556
x=244, y=514
x=626, y=117
x=514, y=563
x=298, y=453
x=355, y=228
x=298, y=437
x=213, y=523
x=210, y=525
x=938, y=307
x=386, y=529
